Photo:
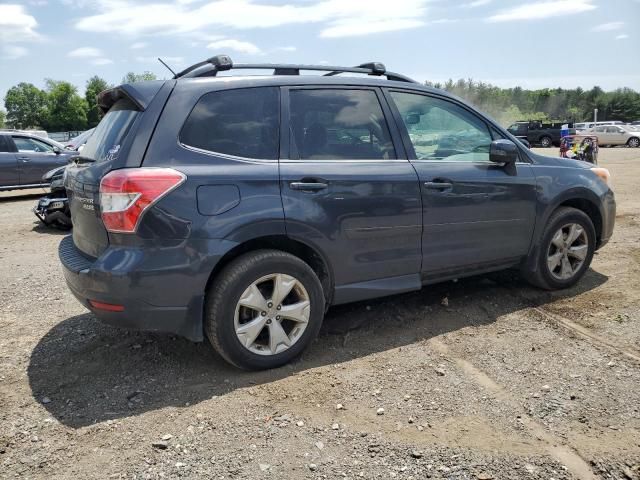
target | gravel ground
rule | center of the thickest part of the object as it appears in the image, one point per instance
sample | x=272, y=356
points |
x=485, y=378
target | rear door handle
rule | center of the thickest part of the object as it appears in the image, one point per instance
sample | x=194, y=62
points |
x=308, y=186
x=24, y=159
x=438, y=185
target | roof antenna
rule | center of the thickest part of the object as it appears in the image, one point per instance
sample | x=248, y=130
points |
x=168, y=67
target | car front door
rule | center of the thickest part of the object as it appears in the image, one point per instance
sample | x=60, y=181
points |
x=476, y=213
x=35, y=158
x=8, y=163
x=349, y=191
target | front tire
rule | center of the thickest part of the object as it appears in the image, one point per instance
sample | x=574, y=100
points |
x=264, y=309
x=566, y=250
x=633, y=142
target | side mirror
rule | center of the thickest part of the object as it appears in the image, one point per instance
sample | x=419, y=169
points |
x=57, y=151
x=412, y=119
x=503, y=151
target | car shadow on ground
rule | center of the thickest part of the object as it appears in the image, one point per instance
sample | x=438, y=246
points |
x=85, y=372
x=39, y=227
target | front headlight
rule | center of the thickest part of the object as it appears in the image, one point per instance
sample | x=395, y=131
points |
x=603, y=173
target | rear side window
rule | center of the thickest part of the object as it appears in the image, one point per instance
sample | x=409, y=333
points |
x=242, y=123
x=104, y=145
x=337, y=124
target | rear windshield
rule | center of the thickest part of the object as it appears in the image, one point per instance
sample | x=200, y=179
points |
x=104, y=145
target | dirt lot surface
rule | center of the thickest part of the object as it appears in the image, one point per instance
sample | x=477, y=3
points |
x=485, y=378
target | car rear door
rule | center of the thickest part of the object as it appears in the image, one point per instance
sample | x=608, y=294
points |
x=475, y=212
x=9, y=173
x=348, y=191
x=35, y=158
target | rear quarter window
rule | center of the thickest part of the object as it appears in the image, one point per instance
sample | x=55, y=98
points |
x=241, y=123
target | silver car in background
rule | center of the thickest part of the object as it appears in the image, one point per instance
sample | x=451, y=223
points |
x=628, y=135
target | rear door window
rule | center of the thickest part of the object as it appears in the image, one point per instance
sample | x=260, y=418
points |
x=339, y=124
x=242, y=123
x=104, y=145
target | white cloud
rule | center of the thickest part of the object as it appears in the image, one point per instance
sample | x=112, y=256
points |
x=11, y=52
x=476, y=3
x=288, y=48
x=16, y=25
x=622, y=36
x=541, y=10
x=235, y=45
x=101, y=61
x=608, y=27
x=85, y=52
x=138, y=45
x=338, y=18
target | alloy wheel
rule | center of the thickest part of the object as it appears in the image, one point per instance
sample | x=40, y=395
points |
x=567, y=251
x=272, y=314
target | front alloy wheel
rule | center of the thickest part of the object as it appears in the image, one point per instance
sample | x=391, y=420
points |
x=567, y=251
x=272, y=314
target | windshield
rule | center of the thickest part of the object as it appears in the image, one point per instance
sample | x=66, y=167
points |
x=104, y=144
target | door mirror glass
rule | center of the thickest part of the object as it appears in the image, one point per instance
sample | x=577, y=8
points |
x=503, y=151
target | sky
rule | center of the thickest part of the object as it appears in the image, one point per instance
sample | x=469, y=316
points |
x=533, y=44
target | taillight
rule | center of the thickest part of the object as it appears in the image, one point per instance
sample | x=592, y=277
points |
x=126, y=194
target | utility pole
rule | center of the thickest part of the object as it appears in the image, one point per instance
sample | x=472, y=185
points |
x=595, y=115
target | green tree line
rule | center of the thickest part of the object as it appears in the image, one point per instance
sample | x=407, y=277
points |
x=508, y=105
x=59, y=107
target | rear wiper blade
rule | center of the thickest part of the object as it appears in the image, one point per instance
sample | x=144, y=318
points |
x=80, y=159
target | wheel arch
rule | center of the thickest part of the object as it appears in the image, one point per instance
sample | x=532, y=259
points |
x=580, y=199
x=310, y=255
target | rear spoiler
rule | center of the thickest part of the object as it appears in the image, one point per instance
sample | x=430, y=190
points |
x=139, y=93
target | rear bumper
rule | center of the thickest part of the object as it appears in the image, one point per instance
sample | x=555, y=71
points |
x=160, y=290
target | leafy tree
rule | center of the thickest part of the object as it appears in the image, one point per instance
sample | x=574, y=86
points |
x=3, y=116
x=95, y=85
x=67, y=110
x=26, y=106
x=138, y=77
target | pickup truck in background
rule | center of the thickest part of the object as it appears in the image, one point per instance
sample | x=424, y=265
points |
x=538, y=133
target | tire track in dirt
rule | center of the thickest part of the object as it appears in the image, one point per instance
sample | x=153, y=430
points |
x=585, y=333
x=554, y=446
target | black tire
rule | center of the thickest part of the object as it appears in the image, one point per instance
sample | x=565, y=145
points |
x=226, y=290
x=542, y=276
x=633, y=142
x=546, y=142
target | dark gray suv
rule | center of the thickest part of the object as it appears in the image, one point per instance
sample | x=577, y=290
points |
x=243, y=207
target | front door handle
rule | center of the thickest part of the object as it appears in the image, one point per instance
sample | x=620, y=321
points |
x=23, y=159
x=438, y=185
x=308, y=186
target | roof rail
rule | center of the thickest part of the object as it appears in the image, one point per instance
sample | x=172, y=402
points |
x=220, y=63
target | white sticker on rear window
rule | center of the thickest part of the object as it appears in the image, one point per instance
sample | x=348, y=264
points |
x=112, y=154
